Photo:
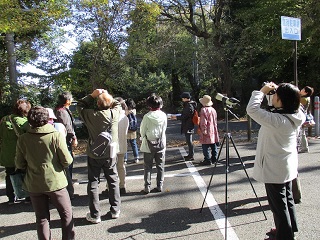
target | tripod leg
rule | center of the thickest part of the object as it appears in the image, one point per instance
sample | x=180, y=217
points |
x=243, y=166
x=215, y=165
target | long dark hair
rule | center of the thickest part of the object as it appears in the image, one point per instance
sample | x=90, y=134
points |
x=289, y=96
x=309, y=91
x=130, y=104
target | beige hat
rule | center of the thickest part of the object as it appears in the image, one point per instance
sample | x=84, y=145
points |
x=206, y=101
x=51, y=113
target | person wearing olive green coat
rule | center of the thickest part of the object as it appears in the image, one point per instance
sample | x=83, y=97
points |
x=43, y=153
x=11, y=126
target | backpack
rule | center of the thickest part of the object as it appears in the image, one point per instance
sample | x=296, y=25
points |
x=133, y=122
x=101, y=145
x=195, y=118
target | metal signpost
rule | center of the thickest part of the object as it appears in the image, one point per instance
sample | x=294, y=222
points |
x=291, y=30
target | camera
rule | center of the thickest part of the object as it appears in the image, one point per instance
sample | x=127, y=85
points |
x=230, y=102
x=272, y=91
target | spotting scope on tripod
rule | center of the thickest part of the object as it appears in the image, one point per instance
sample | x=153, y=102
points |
x=229, y=103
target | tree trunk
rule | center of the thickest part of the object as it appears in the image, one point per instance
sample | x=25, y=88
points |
x=226, y=77
x=176, y=89
x=12, y=65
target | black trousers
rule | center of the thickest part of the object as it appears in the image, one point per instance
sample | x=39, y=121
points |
x=282, y=206
x=109, y=168
x=190, y=144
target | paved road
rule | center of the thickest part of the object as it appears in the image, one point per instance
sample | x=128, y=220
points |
x=175, y=213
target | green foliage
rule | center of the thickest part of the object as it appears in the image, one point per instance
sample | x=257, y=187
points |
x=25, y=17
x=134, y=48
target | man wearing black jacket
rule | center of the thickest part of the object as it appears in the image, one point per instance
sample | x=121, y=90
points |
x=187, y=126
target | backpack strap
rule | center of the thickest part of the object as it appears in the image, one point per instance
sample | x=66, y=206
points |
x=14, y=126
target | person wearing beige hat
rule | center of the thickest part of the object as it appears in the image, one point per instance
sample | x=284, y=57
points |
x=209, y=136
x=58, y=126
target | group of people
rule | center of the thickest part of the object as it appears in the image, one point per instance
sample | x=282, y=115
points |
x=48, y=171
x=207, y=128
x=42, y=156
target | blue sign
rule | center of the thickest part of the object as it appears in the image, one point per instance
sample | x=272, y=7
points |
x=290, y=28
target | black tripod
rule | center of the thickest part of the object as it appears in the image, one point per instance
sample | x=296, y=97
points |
x=226, y=138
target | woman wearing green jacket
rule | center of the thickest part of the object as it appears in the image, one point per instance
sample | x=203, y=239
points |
x=43, y=153
x=10, y=127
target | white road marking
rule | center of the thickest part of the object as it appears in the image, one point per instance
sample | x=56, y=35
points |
x=211, y=202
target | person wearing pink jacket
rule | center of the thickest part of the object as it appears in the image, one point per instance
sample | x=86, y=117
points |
x=209, y=136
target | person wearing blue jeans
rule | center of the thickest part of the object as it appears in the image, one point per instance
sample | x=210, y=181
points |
x=209, y=136
x=132, y=135
x=134, y=146
x=206, y=152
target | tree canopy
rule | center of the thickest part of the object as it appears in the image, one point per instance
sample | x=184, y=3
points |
x=134, y=48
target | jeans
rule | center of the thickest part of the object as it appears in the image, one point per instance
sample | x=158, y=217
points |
x=109, y=168
x=190, y=144
x=206, y=152
x=9, y=187
x=41, y=205
x=134, y=146
x=159, y=158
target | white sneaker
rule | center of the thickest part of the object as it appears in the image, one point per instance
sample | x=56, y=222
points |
x=115, y=215
x=91, y=219
x=137, y=160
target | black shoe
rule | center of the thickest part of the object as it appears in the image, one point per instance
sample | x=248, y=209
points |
x=188, y=158
x=146, y=190
x=105, y=192
x=205, y=163
x=12, y=201
x=27, y=200
x=297, y=201
x=157, y=189
x=123, y=191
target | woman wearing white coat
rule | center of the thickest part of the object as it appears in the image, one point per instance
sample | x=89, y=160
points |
x=122, y=136
x=123, y=125
x=276, y=161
